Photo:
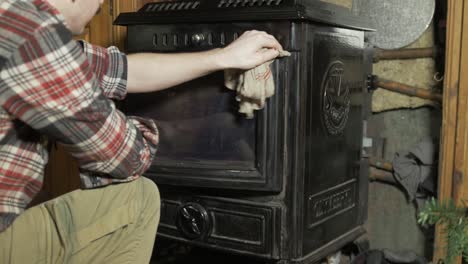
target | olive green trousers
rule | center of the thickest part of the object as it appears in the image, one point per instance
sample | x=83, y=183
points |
x=115, y=224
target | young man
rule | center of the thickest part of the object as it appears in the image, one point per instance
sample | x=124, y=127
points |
x=54, y=88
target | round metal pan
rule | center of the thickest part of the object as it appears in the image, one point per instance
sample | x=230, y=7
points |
x=398, y=22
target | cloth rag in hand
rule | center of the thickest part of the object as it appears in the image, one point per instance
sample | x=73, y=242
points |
x=253, y=86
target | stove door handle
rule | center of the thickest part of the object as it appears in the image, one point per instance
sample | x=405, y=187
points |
x=198, y=38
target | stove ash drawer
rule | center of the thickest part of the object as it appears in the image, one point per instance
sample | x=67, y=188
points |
x=225, y=224
x=197, y=37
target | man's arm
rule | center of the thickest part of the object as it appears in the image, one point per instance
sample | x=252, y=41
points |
x=49, y=85
x=149, y=72
x=109, y=66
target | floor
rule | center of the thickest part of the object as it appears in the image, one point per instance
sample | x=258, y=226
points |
x=172, y=253
x=167, y=252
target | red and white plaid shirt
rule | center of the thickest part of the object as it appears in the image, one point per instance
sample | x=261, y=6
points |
x=55, y=88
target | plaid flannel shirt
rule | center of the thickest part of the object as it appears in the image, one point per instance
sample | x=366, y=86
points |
x=53, y=88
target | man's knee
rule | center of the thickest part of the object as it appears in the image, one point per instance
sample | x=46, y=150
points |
x=151, y=201
x=150, y=190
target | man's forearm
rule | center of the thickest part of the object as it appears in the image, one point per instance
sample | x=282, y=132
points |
x=149, y=72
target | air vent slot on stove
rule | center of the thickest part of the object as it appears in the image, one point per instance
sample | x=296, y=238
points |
x=170, y=40
x=170, y=6
x=248, y=3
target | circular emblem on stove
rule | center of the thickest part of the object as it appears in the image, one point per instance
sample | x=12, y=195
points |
x=335, y=99
x=193, y=220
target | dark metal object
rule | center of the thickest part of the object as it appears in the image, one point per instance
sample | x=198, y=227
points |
x=404, y=54
x=193, y=221
x=408, y=90
x=440, y=33
x=371, y=82
x=289, y=186
x=207, y=11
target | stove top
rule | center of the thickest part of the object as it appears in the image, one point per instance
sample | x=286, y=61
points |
x=209, y=11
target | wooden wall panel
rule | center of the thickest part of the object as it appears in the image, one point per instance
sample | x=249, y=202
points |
x=454, y=143
x=101, y=26
x=460, y=181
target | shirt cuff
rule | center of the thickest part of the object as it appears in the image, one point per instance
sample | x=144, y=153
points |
x=110, y=67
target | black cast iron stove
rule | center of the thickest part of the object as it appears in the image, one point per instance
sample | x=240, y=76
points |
x=290, y=185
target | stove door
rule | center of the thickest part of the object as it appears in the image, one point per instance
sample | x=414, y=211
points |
x=205, y=142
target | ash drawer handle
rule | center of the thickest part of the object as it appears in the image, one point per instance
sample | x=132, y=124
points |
x=193, y=221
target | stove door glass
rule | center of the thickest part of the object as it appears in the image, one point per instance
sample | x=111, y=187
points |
x=199, y=124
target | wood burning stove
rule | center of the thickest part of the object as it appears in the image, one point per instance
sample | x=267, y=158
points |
x=288, y=186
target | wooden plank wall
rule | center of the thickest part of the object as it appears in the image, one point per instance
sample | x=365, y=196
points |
x=453, y=168
x=460, y=181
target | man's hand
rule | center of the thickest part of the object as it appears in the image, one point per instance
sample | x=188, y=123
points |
x=251, y=49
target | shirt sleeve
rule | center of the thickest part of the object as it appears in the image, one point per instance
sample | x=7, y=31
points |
x=49, y=84
x=109, y=65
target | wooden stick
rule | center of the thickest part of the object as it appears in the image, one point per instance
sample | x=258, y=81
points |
x=381, y=175
x=404, y=54
x=407, y=89
x=380, y=164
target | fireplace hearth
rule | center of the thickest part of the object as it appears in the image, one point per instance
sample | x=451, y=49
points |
x=290, y=185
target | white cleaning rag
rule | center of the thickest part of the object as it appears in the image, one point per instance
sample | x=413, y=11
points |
x=253, y=86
